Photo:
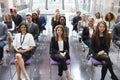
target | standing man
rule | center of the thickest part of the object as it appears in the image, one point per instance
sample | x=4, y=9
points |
x=3, y=39
x=75, y=20
x=16, y=18
x=33, y=28
x=42, y=20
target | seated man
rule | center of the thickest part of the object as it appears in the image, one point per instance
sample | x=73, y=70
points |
x=116, y=34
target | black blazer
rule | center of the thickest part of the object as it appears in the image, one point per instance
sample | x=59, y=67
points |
x=116, y=32
x=17, y=20
x=54, y=49
x=85, y=34
x=95, y=49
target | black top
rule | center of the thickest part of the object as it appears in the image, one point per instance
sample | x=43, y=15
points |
x=102, y=42
x=95, y=48
x=9, y=24
x=85, y=34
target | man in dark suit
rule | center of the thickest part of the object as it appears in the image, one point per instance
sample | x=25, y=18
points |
x=33, y=28
x=16, y=18
x=75, y=20
x=42, y=19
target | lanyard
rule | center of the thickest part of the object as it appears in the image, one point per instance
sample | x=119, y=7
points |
x=22, y=40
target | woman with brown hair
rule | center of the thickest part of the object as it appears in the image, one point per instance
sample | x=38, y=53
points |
x=59, y=50
x=23, y=44
x=100, y=44
x=110, y=21
x=35, y=19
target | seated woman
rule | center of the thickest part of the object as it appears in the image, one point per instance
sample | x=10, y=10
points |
x=100, y=44
x=59, y=50
x=23, y=45
x=11, y=26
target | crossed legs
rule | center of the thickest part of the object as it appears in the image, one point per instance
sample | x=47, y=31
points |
x=19, y=62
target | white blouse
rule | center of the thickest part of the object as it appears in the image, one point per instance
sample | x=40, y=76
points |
x=60, y=44
x=26, y=43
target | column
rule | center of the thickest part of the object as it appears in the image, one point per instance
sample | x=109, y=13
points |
x=63, y=6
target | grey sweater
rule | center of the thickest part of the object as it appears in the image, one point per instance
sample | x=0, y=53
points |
x=3, y=32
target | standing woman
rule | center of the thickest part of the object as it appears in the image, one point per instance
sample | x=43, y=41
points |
x=23, y=45
x=100, y=44
x=59, y=50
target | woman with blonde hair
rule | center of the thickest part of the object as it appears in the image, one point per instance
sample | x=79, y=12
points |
x=59, y=50
x=11, y=26
x=55, y=20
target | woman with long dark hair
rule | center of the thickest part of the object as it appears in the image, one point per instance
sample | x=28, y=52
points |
x=23, y=45
x=100, y=44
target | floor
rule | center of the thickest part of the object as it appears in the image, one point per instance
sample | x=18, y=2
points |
x=40, y=68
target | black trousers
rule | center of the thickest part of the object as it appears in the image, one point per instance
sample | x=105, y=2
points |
x=1, y=53
x=62, y=66
x=106, y=64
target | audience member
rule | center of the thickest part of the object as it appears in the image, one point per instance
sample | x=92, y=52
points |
x=55, y=20
x=116, y=34
x=42, y=20
x=59, y=51
x=76, y=19
x=23, y=45
x=100, y=44
x=3, y=39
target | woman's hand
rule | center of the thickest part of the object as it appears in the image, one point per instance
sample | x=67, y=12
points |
x=21, y=51
x=62, y=54
x=101, y=52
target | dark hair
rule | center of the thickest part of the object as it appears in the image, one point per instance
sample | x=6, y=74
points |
x=112, y=16
x=106, y=35
x=37, y=18
x=23, y=23
x=78, y=12
x=64, y=19
x=97, y=13
x=29, y=15
x=63, y=35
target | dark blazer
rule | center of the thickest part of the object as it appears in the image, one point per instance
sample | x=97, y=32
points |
x=54, y=23
x=54, y=49
x=43, y=22
x=17, y=19
x=34, y=30
x=75, y=22
x=85, y=34
x=116, y=32
x=95, y=49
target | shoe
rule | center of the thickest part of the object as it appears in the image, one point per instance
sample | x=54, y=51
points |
x=114, y=77
x=88, y=57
